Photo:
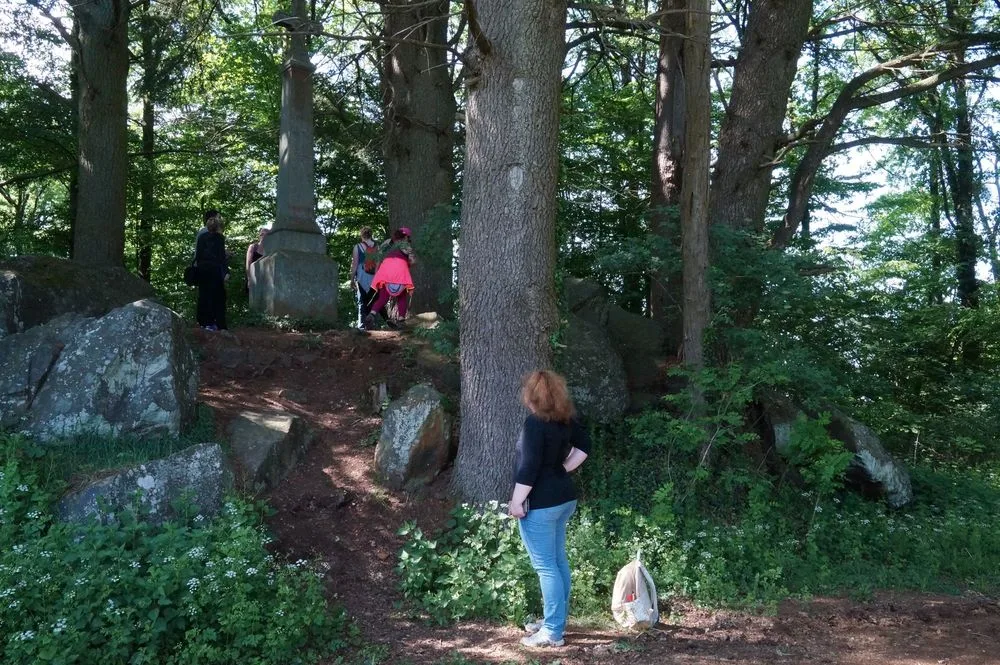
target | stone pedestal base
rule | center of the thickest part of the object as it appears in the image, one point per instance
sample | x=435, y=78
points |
x=295, y=239
x=298, y=284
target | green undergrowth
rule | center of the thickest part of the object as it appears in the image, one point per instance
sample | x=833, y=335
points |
x=740, y=536
x=196, y=590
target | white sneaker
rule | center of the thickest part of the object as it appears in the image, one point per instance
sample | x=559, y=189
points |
x=541, y=640
x=533, y=627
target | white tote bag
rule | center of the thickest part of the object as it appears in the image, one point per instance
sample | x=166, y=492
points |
x=633, y=601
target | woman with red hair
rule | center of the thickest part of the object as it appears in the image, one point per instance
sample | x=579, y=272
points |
x=552, y=444
x=392, y=278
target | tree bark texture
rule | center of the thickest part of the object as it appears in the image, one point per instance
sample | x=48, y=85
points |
x=74, y=176
x=99, y=232
x=963, y=192
x=762, y=79
x=668, y=151
x=147, y=182
x=507, y=298
x=419, y=108
x=695, y=190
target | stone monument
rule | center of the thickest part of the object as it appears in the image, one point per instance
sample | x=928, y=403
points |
x=295, y=277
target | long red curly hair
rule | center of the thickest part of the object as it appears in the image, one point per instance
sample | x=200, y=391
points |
x=545, y=393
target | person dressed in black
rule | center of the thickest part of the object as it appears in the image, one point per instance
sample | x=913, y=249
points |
x=213, y=271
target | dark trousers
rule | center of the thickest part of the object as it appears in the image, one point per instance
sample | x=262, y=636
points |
x=364, y=302
x=212, y=298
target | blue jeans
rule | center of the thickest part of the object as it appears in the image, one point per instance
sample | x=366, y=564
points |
x=543, y=532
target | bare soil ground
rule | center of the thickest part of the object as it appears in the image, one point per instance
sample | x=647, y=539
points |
x=331, y=509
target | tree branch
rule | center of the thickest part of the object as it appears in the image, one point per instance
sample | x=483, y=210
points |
x=848, y=101
x=482, y=43
x=919, y=142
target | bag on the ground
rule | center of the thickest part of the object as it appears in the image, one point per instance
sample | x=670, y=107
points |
x=191, y=275
x=633, y=601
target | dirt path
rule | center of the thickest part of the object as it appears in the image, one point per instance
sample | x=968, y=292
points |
x=330, y=509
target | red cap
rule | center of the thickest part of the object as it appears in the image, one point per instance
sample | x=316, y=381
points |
x=405, y=230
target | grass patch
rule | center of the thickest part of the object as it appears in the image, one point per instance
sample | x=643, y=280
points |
x=89, y=456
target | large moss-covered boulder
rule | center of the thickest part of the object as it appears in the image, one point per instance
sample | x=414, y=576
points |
x=131, y=371
x=37, y=289
x=197, y=477
x=415, y=441
x=873, y=469
x=637, y=340
x=586, y=299
x=593, y=371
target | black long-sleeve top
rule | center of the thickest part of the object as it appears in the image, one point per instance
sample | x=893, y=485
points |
x=210, y=252
x=541, y=451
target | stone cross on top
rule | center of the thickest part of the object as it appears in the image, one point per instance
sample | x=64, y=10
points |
x=299, y=27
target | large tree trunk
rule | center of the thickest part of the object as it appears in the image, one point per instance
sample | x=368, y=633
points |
x=694, y=192
x=74, y=119
x=762, y=79
x=694, y=198
x=419, y=107
x=507, y=301
x=935, y=295
x=147, y=183
x=99, y=233
x=668, y=150
x=966, y=239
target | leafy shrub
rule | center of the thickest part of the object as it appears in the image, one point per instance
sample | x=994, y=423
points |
x=476, y=567
x=737, y=536
x=202, y=591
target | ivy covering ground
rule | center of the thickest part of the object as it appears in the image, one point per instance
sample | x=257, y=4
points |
x=200, y=590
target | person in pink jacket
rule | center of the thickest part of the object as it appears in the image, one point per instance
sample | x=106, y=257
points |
x=392, y=278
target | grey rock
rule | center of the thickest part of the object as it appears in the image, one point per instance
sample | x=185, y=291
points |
x=199, y=475
x=378, y=397
x=131, y=371
x=636, y=339
x=268, y=445
x=586, y=299
x=872, y=465
x=634, y=333
x=231, y=357
x=872, y=460
x=424, y=321
x=293, y=395
x=37, y=289
x=593, y=371
x=415, y=441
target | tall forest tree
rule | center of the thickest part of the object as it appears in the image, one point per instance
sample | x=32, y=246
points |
x=507, y=301
x=100, y=41
x=668, y=152
x=419, y=111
